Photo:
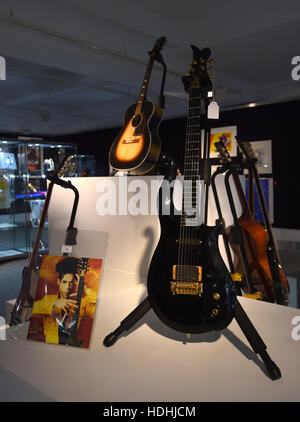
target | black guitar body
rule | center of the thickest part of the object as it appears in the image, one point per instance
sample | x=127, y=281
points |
x=146, y=126
x=187, y=313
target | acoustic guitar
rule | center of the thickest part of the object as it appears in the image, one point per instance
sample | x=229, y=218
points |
x=189, y=286
x=136, y=148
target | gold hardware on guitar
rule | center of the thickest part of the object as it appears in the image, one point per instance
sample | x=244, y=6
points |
x=237, y=277
x=256, y=296
x=186, y=288
x=192, y=276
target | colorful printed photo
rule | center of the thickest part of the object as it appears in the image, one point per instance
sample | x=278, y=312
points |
x=65, y=300
x=227, y=136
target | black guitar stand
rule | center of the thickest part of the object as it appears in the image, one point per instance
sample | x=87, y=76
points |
x=241, y=317
x=159, y=59
x=221, y=223
x=70, y=241
x=237, y=234
x=282, y=297
x=71, y=232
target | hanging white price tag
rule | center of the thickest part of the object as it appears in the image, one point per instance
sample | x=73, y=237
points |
x=66, y=249
x=213, y=110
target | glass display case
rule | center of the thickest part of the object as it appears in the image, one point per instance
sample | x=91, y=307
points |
x=82, y=166
x=23, y=187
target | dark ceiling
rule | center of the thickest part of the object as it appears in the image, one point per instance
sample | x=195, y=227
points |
x=76, y=66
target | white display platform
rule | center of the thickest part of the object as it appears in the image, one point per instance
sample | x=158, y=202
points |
x=151, y=363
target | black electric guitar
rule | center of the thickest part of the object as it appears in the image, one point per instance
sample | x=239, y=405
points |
x=189, y=286
x=136, y=148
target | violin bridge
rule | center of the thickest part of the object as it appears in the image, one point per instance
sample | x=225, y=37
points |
x=187, y=280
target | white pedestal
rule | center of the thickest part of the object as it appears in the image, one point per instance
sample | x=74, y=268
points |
x=150, y=363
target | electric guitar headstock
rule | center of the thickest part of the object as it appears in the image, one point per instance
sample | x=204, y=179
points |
x=83, y=266
x=223, y=153
x=248, y=152
x=64, y=166
x=197, y=76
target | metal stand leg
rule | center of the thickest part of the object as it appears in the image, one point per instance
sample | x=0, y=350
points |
x=128, y=322
x=256, y=342
x=241, y=317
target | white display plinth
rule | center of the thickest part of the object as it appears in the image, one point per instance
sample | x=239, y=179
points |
x=151, y=362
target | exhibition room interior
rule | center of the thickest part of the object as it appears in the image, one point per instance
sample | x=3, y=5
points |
x=149, y=180
x=70, y=70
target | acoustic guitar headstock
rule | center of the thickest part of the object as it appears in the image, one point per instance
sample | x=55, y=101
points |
x=158, y=47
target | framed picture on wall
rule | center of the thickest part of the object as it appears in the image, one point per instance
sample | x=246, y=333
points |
x=227, y=136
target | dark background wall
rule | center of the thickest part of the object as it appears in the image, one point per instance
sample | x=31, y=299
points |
x=276, y=122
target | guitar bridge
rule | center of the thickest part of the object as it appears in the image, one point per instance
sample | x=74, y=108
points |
x=131, y=141
x=187, y=280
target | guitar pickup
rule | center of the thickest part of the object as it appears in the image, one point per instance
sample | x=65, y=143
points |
x=187, y=280
x=192, y=242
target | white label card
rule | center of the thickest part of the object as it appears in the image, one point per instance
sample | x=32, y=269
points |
x=213, y=110
x=66, y=248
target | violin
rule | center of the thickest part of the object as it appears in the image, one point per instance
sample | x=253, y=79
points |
x=252, y=261
x=270, y=261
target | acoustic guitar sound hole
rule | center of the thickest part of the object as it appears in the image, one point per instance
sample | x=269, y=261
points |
x=136, y=120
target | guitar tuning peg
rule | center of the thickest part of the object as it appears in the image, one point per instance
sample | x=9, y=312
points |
x=194, y=62
x=188, y=73
x=210, y=68
x=210, y=61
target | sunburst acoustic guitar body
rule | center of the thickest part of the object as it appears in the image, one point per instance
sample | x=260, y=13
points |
x=137, y=147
